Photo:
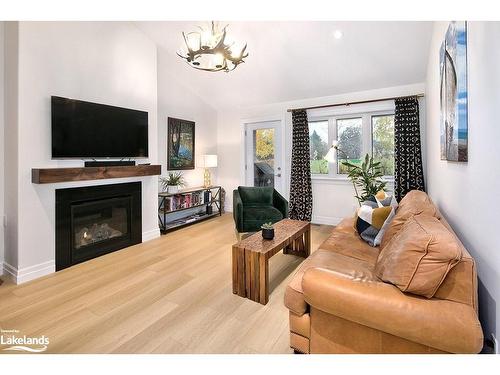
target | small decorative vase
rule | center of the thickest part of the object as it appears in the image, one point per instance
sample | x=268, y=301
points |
x=172, y=189
x=268, y=234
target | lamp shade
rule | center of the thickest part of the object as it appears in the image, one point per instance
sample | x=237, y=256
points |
x=331, y=155
x=209, y=161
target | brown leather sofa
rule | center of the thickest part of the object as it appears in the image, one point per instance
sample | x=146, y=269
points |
x=338, y=305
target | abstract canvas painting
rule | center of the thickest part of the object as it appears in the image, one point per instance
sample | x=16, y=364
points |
x=453, y=93
x=180, y=144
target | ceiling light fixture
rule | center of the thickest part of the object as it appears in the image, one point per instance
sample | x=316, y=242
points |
x=338, y=34
x=209, y=50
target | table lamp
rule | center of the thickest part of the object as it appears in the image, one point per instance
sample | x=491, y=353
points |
x=209, y=161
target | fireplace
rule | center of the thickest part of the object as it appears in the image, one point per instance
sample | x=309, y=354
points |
x=95, y=220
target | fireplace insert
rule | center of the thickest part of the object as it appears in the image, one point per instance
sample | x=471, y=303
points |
x=95, y=220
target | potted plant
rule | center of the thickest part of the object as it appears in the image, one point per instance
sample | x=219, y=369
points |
x=367, y=177
x=267, y=231
x=172, y=183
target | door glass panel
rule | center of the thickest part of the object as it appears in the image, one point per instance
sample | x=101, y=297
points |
x=263, y=157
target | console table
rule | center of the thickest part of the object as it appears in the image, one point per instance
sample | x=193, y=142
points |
x=188, y=200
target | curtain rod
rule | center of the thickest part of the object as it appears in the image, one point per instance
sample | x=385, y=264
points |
x=350, y=103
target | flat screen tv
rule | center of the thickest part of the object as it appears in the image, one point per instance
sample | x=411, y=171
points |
x=90, y=130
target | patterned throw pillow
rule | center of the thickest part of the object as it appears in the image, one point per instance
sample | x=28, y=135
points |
x=374, y=216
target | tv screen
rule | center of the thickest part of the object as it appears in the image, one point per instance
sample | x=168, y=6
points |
x=90, y=130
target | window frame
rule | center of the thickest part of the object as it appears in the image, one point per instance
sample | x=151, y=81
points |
x=366, y=136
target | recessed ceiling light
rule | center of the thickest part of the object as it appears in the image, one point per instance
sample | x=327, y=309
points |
x=338, y=34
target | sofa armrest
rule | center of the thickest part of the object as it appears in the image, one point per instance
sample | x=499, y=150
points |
x=237, y=211
x=441, y=324
x=280, y=203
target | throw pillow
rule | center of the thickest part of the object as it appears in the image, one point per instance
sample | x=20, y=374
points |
x=418, y=258
x=374, y=216
x=414, y=203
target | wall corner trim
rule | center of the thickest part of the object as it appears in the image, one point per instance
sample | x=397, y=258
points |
x=23, y=275
x=150, y=235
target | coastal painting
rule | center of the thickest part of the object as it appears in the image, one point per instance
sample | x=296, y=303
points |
x=453, y=93
x=180, y=144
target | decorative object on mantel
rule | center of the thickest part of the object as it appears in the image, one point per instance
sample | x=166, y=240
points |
x=454, y=96
x=209, y=50
x=55, y=175
x=173, y=182
x=209, y=161
x=180, y=144
x=367, y=177
x=267, y=231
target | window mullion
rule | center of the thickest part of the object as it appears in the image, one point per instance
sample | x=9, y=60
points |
x=333, y=127
x=367, y=135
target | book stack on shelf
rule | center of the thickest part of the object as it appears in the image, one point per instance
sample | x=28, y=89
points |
x=189, y=199
x=184, y=201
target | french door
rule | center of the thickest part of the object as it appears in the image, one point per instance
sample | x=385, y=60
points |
x=263, y=154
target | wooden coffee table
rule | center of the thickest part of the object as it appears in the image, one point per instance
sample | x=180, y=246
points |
x=251, y=257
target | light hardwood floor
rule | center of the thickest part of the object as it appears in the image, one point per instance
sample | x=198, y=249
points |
x=169, y=295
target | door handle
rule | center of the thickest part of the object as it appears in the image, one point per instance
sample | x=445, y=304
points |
x=278, y=175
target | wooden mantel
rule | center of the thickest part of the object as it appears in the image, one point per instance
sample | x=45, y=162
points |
x=54, y=175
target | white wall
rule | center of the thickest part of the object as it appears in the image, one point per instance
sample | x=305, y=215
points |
x=468, y=193
x=1, y=144
x=11, y=142
x=177, y=100
x=105, y=62
x=332, y=199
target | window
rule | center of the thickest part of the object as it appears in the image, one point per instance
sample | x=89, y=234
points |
x=318, y=146
x=383, y=142
x=357, y=134
x=349, y=133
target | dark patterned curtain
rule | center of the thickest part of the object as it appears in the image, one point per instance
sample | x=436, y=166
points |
x=408, y=170
x=300, y=181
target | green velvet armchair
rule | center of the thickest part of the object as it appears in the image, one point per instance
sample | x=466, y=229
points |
x=254, y=206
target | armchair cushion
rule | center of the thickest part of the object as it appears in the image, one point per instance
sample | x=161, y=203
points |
x=262, y=214
x=256, y=196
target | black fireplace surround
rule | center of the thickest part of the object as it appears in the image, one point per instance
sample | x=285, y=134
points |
x=95, y=220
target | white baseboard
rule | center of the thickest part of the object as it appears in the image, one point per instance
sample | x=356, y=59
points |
x=23, y=275
x=150, y=235
x=326, y=220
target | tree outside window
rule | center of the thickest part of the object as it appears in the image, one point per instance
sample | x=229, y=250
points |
x=383, y=142
x=349, y=132
x=318, y=146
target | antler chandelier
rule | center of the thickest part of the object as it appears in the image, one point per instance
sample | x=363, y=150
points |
x=209, y=50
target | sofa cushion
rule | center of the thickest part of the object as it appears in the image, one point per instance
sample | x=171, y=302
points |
x=374, y=216
x=262, y=213
x=345, y=240
x=414, y=203
x=256, y=196
x=419, y=256
x=350, y=267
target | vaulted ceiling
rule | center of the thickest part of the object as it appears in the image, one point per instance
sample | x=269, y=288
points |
x=295, y=60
